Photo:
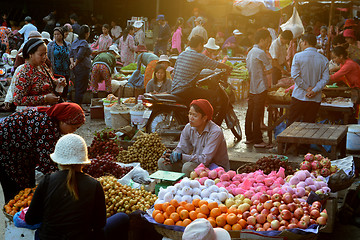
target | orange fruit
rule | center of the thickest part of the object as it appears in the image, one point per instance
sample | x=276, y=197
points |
x=201, y=202
x=212, y=221
x=220, y=221
x=186, y=222
x=174, y=203
x=175, y=217
x=166, y=216
x=159, y=218
x=189, y=207
x=193, y=215
x=197, y=210
x=223, y=208
x=233, y=210
x=236, y=227
x=215, y=212
x=155, y=212
x=227, y=227
x=243, y=223
x=179, y=209
x=204, y=209
x=196, y=202
x=165, y=206
x=201, y=215
x=170, y=209
x=169, y=222
x=158, y=206
x=231, y=219
x=179, y=223
x=184, y=214
x=212, y=205
x=183, y=203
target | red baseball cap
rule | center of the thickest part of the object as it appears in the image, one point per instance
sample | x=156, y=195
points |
x=205, y=106
x=350, y=23
x=349, y=33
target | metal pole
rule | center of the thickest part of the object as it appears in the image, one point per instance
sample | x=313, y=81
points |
x=157, y=7
x=329, y=28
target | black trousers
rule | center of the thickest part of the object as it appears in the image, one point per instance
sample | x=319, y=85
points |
x=254, y=116
x=305, y=111
x=81, y=83
x=218, y=100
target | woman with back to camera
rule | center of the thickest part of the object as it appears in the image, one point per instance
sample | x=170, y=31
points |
x=71, y=204
x=127, y=46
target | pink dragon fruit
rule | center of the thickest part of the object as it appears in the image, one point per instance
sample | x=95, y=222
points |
x=305, y=165
x=325, y=162
x=318, y=157
x=325, y=172
x=315, y=165
x=309, y=157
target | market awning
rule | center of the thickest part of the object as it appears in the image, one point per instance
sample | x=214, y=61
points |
x=251, y=7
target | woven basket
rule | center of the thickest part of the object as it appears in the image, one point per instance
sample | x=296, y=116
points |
x=342, y=185
x=8, y=216
x=241, y=169
x=168, y=233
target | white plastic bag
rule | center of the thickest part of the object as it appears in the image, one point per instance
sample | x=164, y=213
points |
x=294, y=24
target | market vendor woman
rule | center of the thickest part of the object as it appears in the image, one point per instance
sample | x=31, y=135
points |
x=27, y=138
x=201, y=141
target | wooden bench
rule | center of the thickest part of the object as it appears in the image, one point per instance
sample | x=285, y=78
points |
x=319, y=134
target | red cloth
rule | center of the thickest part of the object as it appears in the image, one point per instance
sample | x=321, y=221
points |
x=205, y=106
x=69, y=113
x=349, y=73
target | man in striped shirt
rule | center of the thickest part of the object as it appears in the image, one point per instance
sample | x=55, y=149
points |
x=188, y=67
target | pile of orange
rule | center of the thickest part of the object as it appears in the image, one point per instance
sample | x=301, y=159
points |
x=183, y=213
x=20, y=201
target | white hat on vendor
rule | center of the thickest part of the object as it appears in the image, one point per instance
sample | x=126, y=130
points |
x=114, y=49
x=237, y=32
x=138, y=24
x=46, y=36
x=70, y=149
x=201, y=229
x=164, y=58
x=13, y=53
x=211, y=44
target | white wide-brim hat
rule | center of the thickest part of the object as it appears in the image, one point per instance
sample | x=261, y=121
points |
x=46, y=36
x=211, y=44
x=13, y=53
x=201, y=229
x=70, y=149
x=138, y=24
x=237, y=32
x=115, y=50
x=164, y=58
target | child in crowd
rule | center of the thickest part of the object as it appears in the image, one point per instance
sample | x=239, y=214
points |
x=160, y=83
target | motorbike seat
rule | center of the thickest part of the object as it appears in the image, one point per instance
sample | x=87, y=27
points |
x=168, y=97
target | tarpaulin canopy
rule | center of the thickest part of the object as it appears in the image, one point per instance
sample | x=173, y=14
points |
x=251, y=7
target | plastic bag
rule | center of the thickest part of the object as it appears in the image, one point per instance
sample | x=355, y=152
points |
x=20, y=222
x=141, y=176
x=294, y=24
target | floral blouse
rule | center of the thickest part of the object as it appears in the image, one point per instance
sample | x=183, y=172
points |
x=32, y=85
x=127, y=49
x=27, y=140
x=103, y=42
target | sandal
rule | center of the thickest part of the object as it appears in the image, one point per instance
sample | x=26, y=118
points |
x=260, y=145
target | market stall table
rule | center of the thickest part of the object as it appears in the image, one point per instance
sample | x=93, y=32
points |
x=319, y=134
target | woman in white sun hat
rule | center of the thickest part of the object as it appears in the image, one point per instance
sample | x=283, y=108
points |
x=139, y=35
x=201, y=229
x=211, y=49
x=71, y=204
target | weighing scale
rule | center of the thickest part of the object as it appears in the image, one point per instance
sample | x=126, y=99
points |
x=166, y=178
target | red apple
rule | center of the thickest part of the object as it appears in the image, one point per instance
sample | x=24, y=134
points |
x=292, y=207
x=252, y=207
x=260, y=218
x=258, y=225
x=312, y=221
x=250, y=227
x=324, y=214
x=285, y=214
x=253, y=211
x=274, y=210
x=283, y=207
x=266, y=225
x=256, y=202
x=321, y=220
x=275, y=224
x=292, y=225
x=260, y=207
x=294, y=220
x=298, y=213
x=263, y=198
x=269, y=229
x=251, y=220
x=276, y=197
x=302, y=225
x=271, y=217
x=282, y=228
x=265, y=212
x=276, y=204
x=246, y=214
x=284, y=223
x=260, y=229
x=316, y=204
x=287, y=198
x=268, y=204
x=305, y=218
x=315, y=213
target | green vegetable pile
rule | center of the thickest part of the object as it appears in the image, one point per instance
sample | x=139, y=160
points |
x=239, y=70
x=133, y=66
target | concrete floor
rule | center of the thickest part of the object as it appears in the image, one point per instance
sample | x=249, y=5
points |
x=239, y=153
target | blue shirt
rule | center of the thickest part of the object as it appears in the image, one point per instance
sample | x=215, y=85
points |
x=257, y=63
x=309, y=69
x=187, y=67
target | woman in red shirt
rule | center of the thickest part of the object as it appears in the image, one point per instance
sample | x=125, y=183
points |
x=349, y=72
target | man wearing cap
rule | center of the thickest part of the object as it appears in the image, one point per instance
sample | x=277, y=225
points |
x=164, y=35
x=27, y=28
x=201, y=141
x=187, y=69
x=199, y=30
x=139, y=35
x=233, y=42
x=278, y=52
x=211, y=49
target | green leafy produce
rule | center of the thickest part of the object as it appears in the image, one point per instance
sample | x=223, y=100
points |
x=131, y=66
x=229, y=63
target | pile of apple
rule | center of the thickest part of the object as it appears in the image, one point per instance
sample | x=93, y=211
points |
x=277, y=212
x=318, y=165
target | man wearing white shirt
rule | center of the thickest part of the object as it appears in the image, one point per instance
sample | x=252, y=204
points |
x=115, y=31
x=27, y=28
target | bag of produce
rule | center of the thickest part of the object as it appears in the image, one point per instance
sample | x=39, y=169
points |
x=19, y=220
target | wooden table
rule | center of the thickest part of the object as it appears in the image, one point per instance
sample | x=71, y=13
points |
x=277, y=113
x=319, y=134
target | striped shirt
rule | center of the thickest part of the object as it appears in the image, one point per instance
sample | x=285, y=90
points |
x=187, y=67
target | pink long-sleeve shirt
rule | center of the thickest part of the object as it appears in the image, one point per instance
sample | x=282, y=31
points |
x=349, y=73
x=176, y=39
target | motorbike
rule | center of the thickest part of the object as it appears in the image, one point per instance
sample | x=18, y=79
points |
x=167, y=114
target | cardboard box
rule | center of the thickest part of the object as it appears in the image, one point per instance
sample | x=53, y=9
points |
x=96, y=109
